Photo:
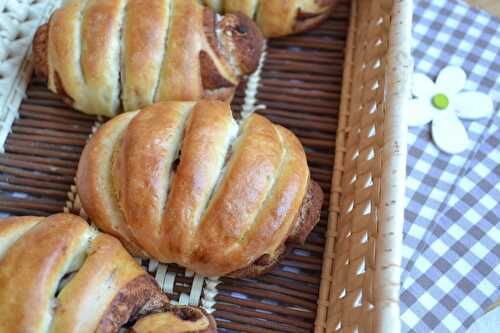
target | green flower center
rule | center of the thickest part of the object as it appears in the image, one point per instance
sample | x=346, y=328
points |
x=440, y=101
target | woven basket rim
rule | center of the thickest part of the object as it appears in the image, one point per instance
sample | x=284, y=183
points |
x=391, y=212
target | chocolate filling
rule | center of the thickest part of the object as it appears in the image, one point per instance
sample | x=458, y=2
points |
x=210, y=75
x=140, y=296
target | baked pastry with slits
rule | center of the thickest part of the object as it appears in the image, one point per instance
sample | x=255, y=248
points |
x=278, y=17
x=106, y=55
x=183, y=182
x=57, y=274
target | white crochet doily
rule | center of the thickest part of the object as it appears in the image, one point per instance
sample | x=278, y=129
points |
x=19, y=20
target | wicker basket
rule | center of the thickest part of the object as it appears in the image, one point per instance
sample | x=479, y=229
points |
x=346, y=277
x=361, y=267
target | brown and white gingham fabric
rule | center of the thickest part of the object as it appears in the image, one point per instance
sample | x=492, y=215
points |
x=451, y=255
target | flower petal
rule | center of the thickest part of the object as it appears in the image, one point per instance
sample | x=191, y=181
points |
x=451, y=80
x=420, y=112
x=449, y=133
x=422, y=85
x=473, y=105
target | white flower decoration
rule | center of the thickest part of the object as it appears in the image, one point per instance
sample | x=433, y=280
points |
x=444, y=103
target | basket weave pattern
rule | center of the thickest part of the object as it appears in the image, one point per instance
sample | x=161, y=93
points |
x=361, y=267
x=300, y=84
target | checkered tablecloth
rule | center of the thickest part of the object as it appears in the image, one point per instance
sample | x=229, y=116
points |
x=451, y=255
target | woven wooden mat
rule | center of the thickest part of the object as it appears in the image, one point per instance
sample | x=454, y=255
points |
x=300, y=85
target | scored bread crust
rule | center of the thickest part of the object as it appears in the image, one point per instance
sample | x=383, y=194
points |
x=101, y=23
x=233, y=195
x=31, y=269
x=180, y=75
x=98, y=176
x=12, y=228
x=60, y=275
x=305, y=221
x=143, y=50
x=146, y=51
x=63, y=54
x=146, y=153
x=101, y=271
x=98, y=298
x=278, y=18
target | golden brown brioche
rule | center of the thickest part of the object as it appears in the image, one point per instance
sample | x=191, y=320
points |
x=184, y=182
x=105, y=55
x=176, y=320
x=278, y=17
x=103, y=287
x=12, y=228
x=58, y=274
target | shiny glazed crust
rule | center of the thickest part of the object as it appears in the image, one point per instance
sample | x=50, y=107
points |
x=32, y=268
x=146, y=51
x=59, y=273
x=305, y=221
x=12, y=228
x=186, y=184
x=278, y=17
x=98, y=176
